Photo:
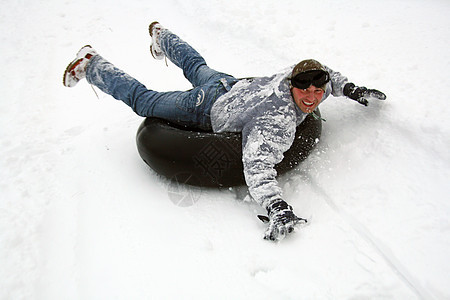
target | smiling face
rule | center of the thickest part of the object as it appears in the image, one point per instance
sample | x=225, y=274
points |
x=308, y=99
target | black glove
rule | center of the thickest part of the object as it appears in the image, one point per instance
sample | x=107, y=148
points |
x=281, y=220
x=362, y=94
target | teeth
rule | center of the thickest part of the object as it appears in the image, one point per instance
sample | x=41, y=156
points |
x=308, y=103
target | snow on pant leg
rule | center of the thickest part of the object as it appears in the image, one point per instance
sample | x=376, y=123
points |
x=188, y=59
x=189, y=108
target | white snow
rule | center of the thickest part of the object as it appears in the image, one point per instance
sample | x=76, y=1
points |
x=82, y=216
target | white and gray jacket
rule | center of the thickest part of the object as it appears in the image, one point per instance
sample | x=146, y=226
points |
x=264, y=111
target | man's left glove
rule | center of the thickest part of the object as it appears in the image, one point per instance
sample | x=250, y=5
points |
x=281, y=220
x=362, y=94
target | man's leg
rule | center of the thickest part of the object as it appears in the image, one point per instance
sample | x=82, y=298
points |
x=188, y=59
x=183, y=108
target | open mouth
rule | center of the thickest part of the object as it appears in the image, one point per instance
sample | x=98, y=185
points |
x=306, y=103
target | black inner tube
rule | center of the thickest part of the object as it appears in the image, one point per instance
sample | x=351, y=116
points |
x=211, y=159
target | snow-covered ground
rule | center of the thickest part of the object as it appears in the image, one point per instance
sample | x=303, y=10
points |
x=82, y=216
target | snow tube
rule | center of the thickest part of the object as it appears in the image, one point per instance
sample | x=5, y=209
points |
x=211, y=159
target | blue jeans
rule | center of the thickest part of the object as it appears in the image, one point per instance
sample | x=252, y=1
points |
x=187, y=108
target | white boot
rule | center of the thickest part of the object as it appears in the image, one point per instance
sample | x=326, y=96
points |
x=155, y=48
x=76, y=70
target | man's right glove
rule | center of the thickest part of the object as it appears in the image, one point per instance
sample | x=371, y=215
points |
x=362, y=94
x=281, y=220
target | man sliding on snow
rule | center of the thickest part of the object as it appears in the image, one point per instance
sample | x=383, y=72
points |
x=266, y=110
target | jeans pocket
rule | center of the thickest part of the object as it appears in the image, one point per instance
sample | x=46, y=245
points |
x=190, y=100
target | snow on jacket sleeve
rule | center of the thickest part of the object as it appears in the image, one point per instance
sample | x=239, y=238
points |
x=264, y=140
x=337, y=83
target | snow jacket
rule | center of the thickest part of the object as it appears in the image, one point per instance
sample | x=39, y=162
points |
x=264, y=111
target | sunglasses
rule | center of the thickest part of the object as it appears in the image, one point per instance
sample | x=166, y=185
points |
x=305, y=79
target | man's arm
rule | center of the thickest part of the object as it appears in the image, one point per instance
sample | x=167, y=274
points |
x=337, y=81
x=340, y=86
x=264, y=142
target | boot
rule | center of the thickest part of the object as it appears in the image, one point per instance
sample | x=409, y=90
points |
x=76, y=70
x=155, y=48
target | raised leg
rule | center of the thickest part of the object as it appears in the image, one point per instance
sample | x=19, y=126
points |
x=188, y=108
x=188, y=59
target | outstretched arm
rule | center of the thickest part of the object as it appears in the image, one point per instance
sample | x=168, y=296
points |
x=340, y=86
x=264, y=142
